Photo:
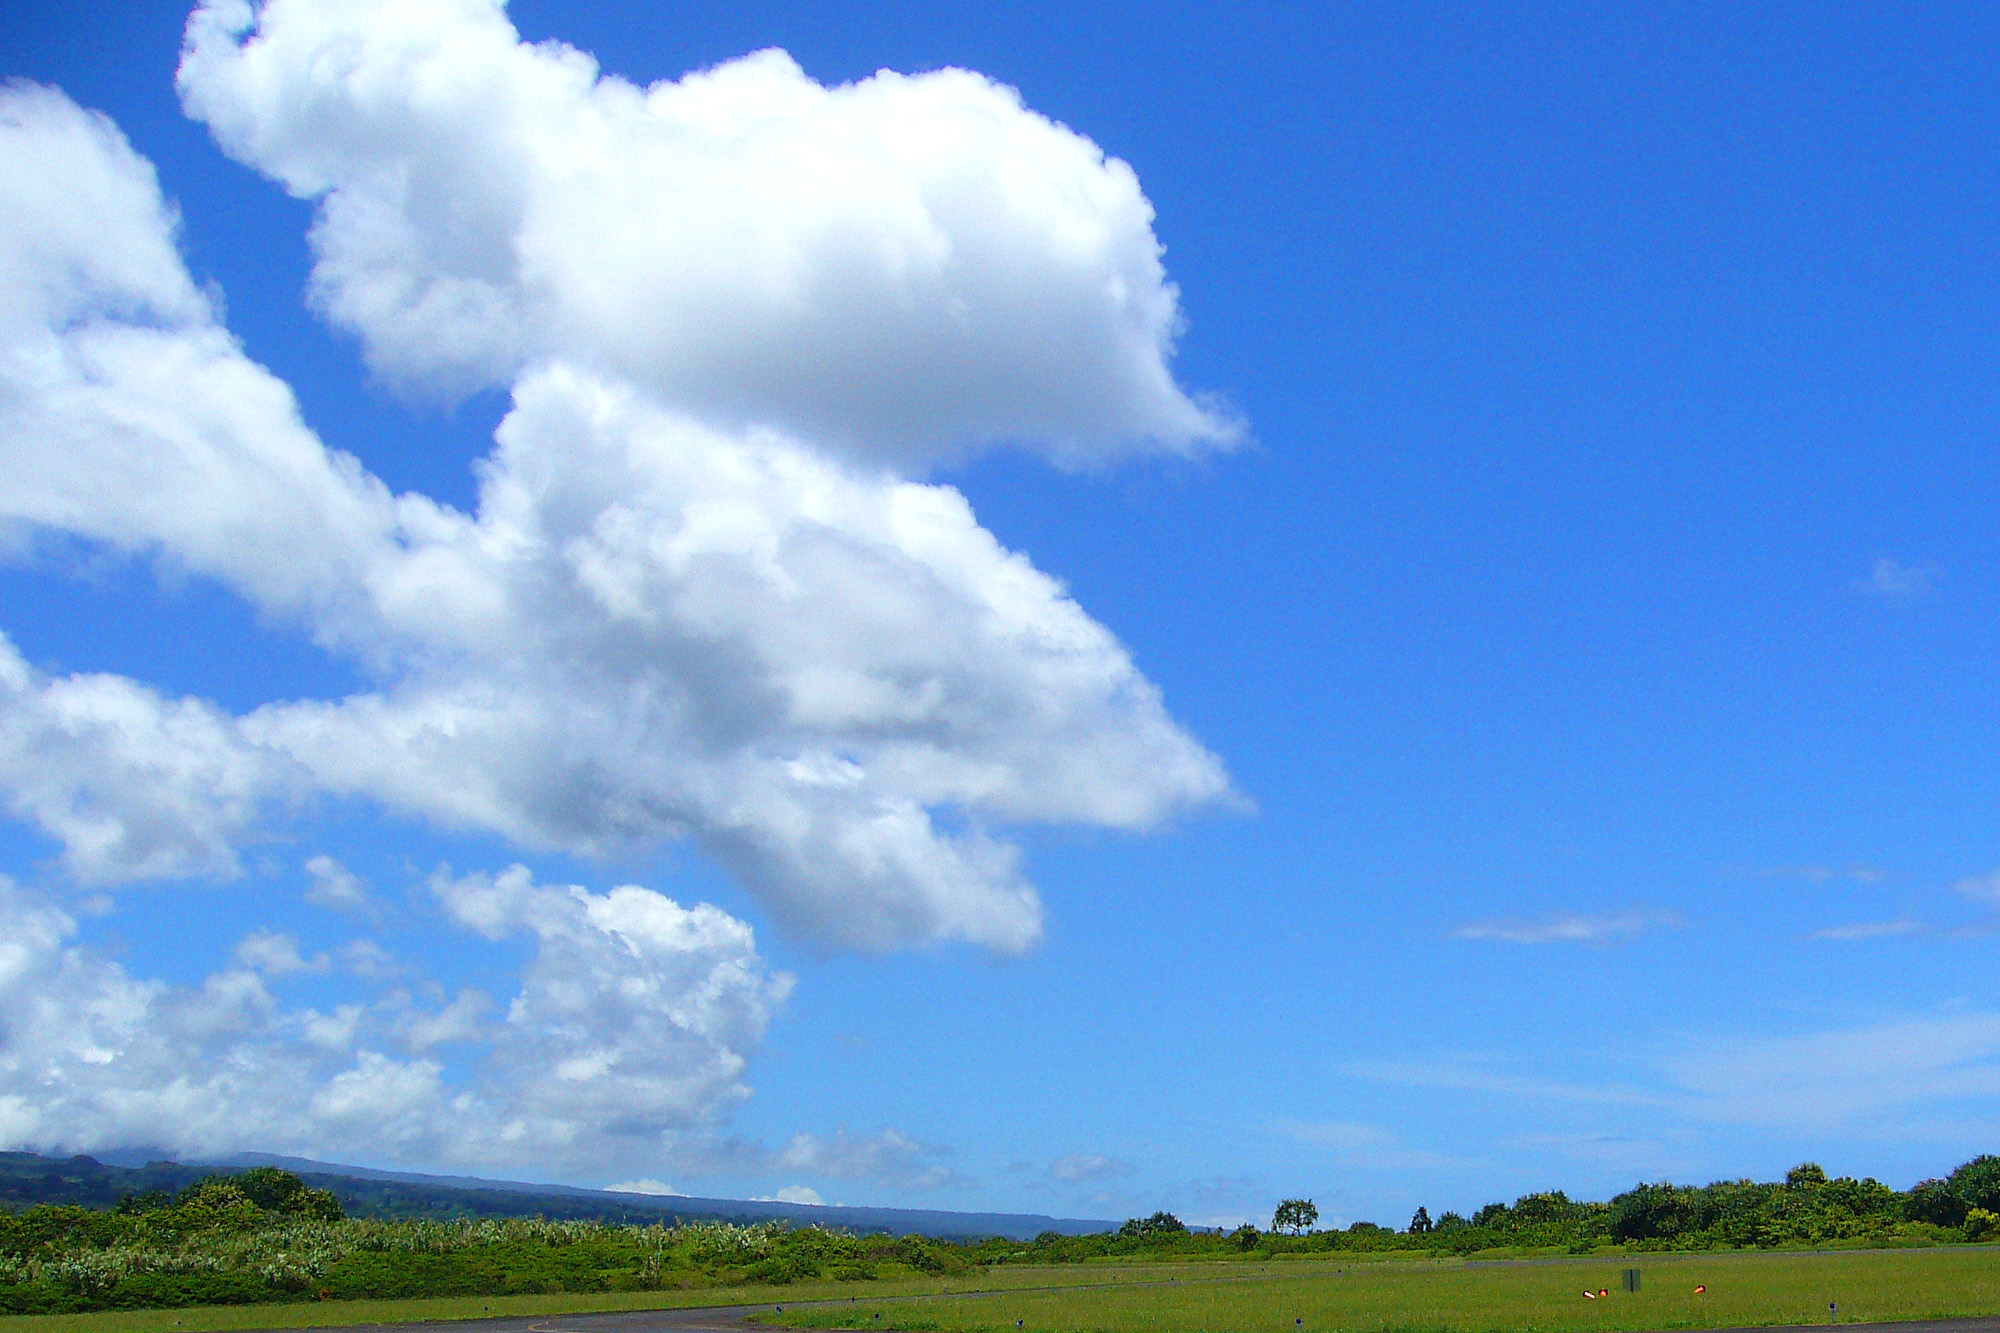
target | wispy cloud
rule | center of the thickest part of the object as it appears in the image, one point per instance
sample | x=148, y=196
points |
x=1360, y=1145
x=1568, y=928
x=1830, y=1078
x=1342, y=1134
x=1897, y=1071
x=1483, y=1074
x=644, y=1185
x=1980, y=888
x=1897, y=581
x=1087, y=1166
x=1812, y=874
x=1870, y=930
x=1631, y=1155
x=890, y=1157
x=331, y=884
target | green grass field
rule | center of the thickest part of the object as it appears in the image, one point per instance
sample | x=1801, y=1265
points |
x=1335, y=1296
x=318, y=1314
x=1543, y=1296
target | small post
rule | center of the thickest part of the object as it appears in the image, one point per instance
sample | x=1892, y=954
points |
x=1631, y=1279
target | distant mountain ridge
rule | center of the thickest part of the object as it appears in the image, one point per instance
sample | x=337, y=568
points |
x=27, y=1179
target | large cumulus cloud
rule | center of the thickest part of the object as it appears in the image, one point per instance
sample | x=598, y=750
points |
x=628, y=1035
x=903, y=267
x=705, y=592
x=653, y=625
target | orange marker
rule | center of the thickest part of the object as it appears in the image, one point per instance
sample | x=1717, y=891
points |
x=1699, y=1290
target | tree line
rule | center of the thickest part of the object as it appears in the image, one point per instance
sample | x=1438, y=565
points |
x=1805, y=1208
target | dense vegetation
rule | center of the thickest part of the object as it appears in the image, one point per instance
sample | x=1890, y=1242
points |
x=1806, y=1208
x=267, y=1235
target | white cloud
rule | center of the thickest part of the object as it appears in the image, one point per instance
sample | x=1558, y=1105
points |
x=67, y=172
x=132, y=785
x=644, y=1185
x=903, y=267
x=1811, y=874
x=1980, y=888
x=334, y=885
x=1486, y=1075
x=635, y=1009
x=1870, y=930
x=1895, y=581
x=1362, y=1146
x=1844, y=1076
x=1345, y=1135
x=1568, y=928
x=628, y=1035
x=461, y=1020
x=366, y=958
x=889, y=1158
x=792, y=1194
x=276, y=955
x=836, y=681
x=704, y=592
x=1087, y=1166
x=1891, y=1073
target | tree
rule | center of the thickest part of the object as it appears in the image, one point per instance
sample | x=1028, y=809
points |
x=1421, y=1222
x=1145, y=1228
x=1805, y=1176
x=1295, y=1216
x=1648, y=1212
x=1978, y=1183
x=274, y=1191
x=1245, y=1237
x=214, y=1203
x=1934, y=1201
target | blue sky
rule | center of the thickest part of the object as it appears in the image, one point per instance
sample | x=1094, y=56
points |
x=1563, y=552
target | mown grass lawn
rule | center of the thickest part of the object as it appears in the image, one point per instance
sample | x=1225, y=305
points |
x=1543, y=1296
